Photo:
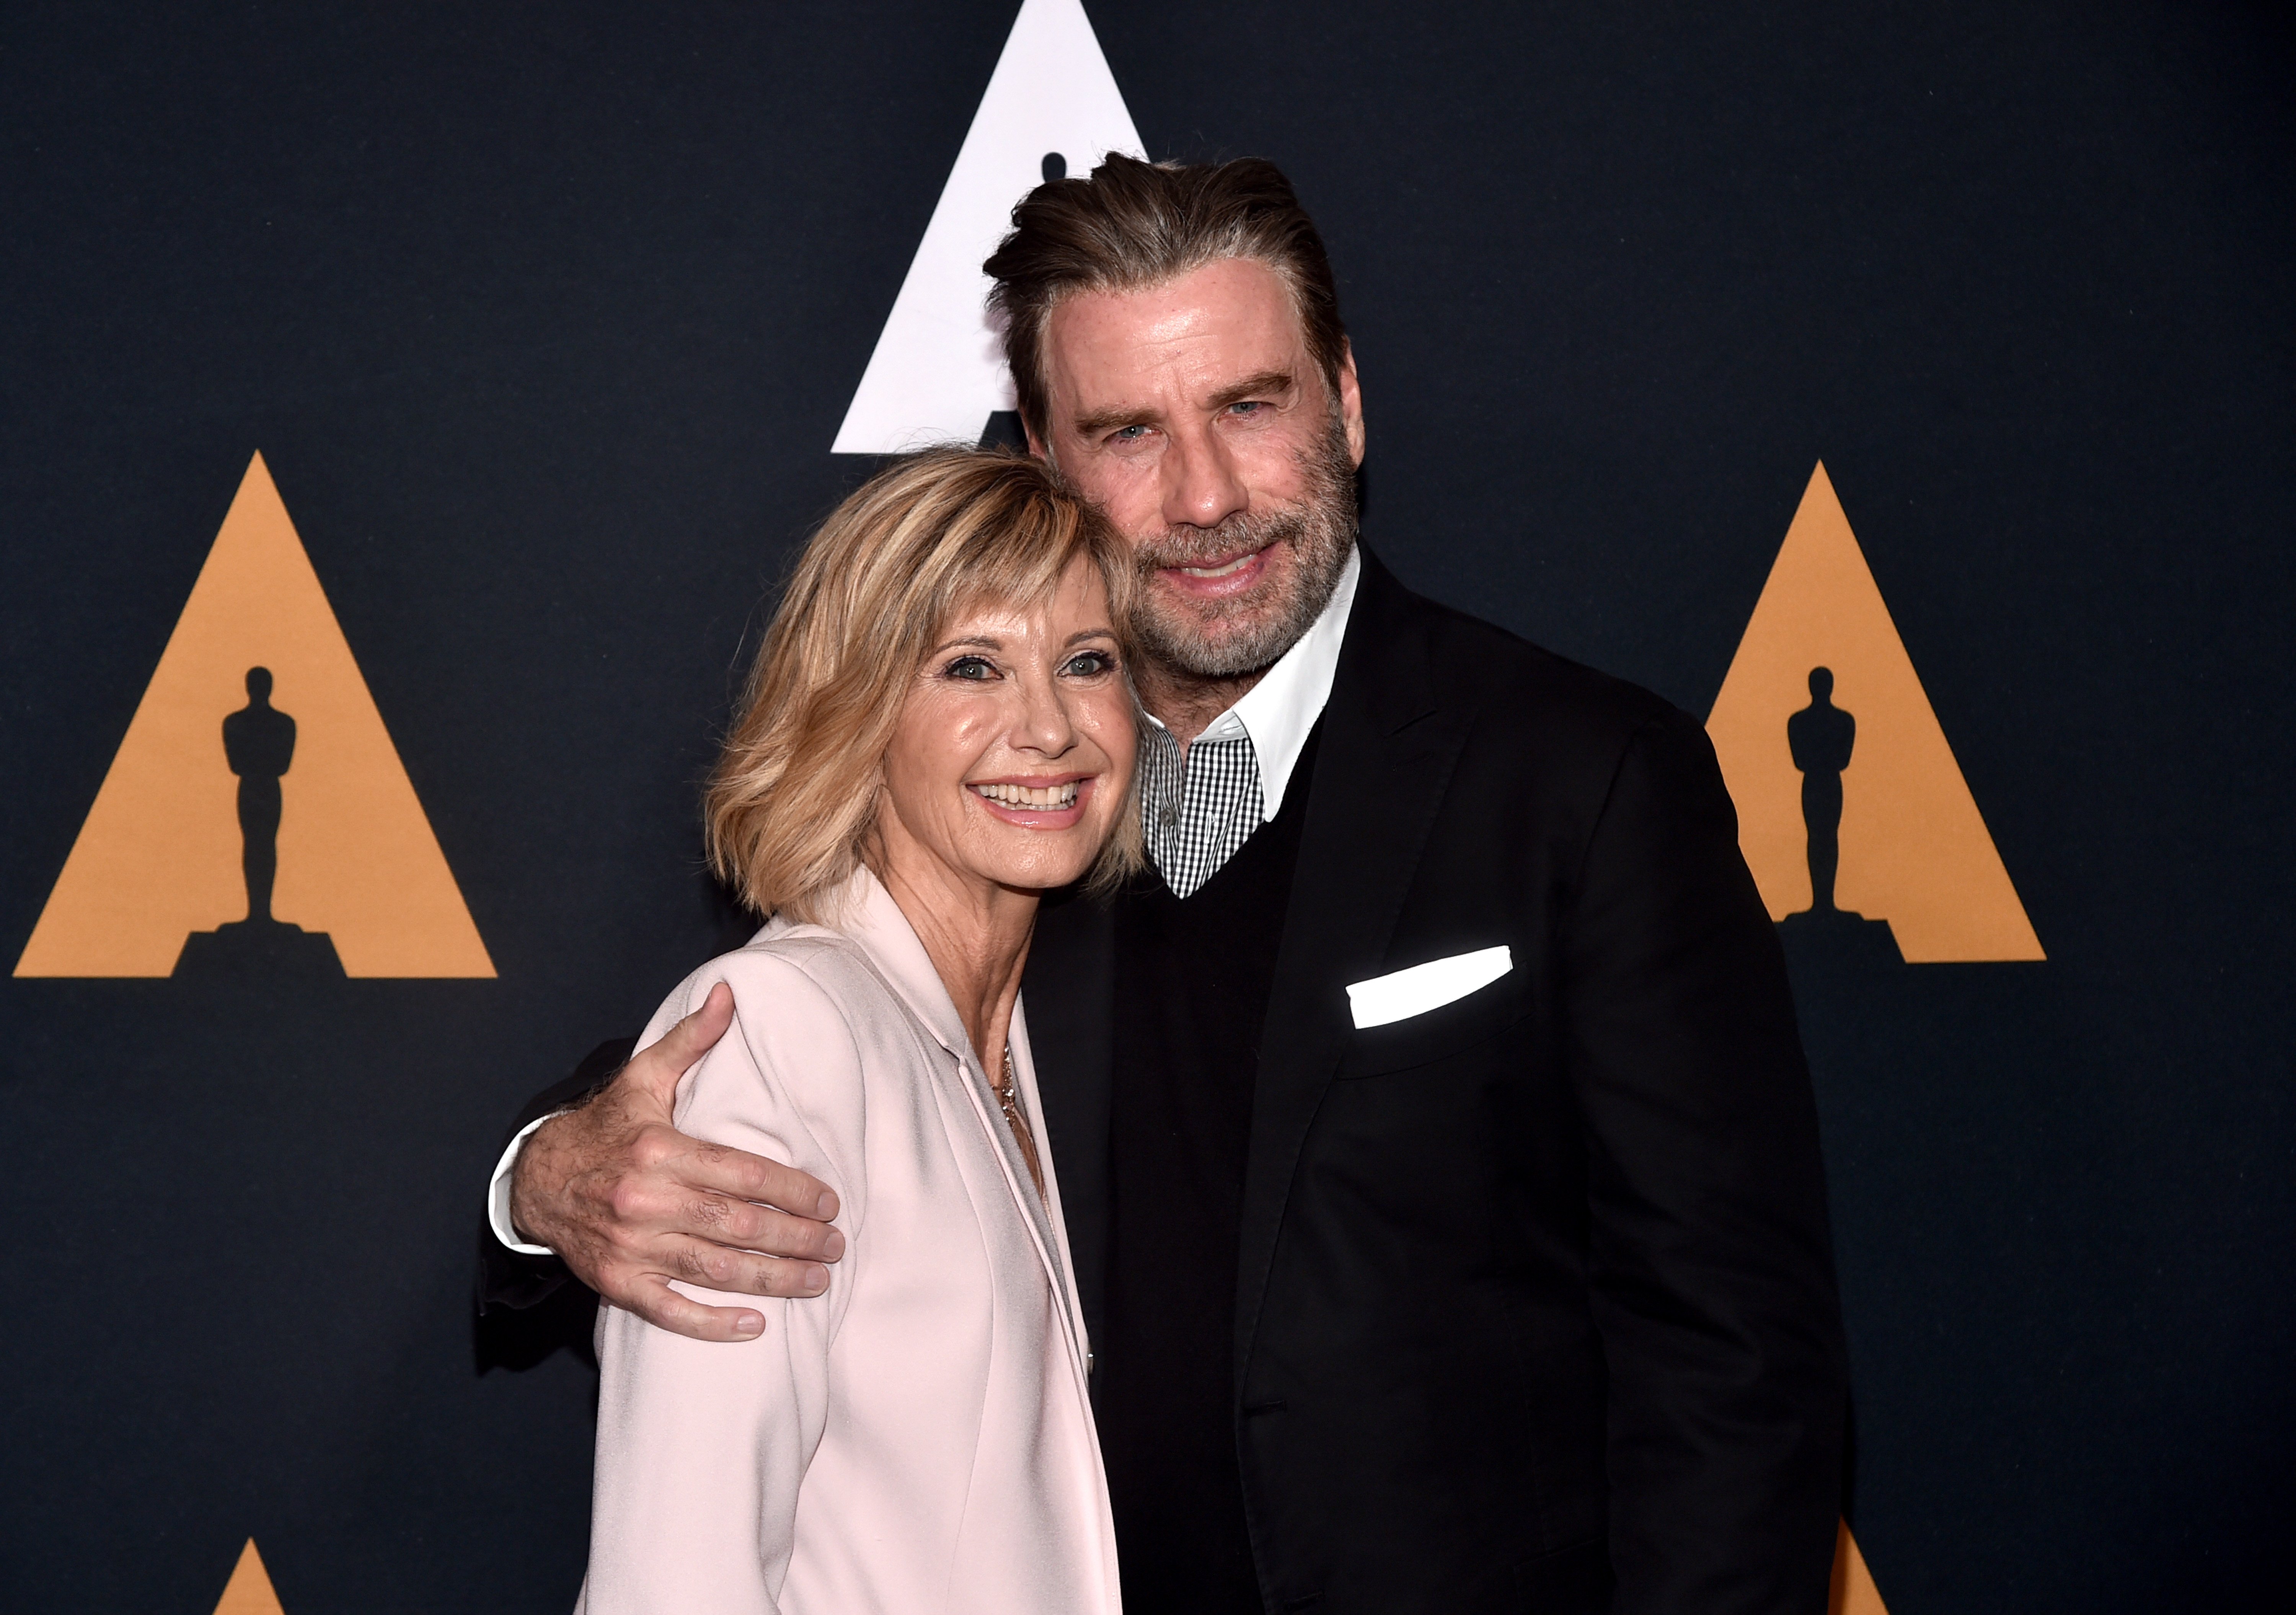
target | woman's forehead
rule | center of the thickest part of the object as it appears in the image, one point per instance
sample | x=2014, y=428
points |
x=1077, y=592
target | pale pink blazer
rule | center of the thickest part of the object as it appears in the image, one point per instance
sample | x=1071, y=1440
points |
x=919, y=1438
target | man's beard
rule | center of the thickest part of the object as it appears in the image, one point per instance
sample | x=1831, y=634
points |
x=1222, y=638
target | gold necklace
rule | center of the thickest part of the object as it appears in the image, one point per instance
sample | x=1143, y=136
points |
x=1008, y=1100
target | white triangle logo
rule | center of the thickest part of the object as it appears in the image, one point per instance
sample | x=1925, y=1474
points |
x=939, y=370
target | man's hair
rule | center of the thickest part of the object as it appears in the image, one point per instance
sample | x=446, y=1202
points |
x=1134, y=224
x=790, y=808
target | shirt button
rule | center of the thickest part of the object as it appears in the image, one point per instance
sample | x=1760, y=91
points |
x=1167, y=818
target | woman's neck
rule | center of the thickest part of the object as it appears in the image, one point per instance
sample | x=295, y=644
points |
x=975, y=931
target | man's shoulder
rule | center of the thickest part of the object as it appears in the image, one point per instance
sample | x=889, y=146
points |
x=1519, y=691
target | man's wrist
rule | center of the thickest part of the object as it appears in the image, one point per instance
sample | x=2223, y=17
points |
x=498, y=1193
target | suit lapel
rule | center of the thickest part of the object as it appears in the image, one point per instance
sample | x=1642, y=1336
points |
x=1070, y=989
x=1382, y=766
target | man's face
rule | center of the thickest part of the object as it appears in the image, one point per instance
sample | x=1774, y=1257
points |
x=1194, y=415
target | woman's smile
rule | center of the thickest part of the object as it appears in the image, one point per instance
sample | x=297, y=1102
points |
x=1037, y=804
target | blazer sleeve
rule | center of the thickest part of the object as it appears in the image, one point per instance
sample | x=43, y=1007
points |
x=701, y=1445
x=512, y=1279
x=1712, y=1282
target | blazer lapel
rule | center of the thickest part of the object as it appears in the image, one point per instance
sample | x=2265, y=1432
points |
x=1383, y=763
x=889, y=943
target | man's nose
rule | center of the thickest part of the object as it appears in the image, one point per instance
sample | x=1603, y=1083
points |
x=1201, y=487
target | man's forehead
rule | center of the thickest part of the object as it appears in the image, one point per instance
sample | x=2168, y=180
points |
x=1232, y=319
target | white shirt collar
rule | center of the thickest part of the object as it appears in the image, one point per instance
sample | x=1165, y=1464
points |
x=1277, y=714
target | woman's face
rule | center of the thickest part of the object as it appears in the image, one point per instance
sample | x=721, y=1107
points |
x=1015, y=744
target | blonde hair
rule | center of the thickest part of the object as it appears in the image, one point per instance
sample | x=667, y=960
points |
x=791, y=805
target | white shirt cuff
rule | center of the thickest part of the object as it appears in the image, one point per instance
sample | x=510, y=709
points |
x=498, y=1193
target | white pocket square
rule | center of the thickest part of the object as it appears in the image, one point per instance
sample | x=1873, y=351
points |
x=1406, y=993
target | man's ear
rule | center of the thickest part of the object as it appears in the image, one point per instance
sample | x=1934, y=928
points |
x=1351, y=401
x=1036, y=443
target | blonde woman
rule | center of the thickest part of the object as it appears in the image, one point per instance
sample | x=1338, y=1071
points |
x=938, y=729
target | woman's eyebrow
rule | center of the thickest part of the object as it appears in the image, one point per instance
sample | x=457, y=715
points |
x=983, y=641
x=1081, y=634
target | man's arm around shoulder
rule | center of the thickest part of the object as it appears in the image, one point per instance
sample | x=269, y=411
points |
x=609, y=1192
x=515, y=1273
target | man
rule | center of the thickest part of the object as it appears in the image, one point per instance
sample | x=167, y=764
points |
x=1441, y=1162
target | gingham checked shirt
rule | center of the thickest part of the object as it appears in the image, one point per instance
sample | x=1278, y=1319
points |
x=1196, y=813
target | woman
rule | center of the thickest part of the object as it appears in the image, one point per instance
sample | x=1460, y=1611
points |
x=939, y=728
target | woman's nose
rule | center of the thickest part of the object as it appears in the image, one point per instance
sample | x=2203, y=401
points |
x=1045, y=726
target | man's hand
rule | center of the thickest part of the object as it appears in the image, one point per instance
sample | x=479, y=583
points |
x=629, y=1203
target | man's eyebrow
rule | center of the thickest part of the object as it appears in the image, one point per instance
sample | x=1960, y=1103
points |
x=1265, y=382
x=1108, y=420
x=1253, y=386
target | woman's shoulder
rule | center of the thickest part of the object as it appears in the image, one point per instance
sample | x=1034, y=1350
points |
x=790, y=1077
x=800, y=987
x=795, y=975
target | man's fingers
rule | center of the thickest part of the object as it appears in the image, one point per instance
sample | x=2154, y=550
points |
x=658, y=1067
x=652, y=1300
x=629, y=1202
x=738, y=1174
x=715, y=1266
x=717, y=1220
x=648, y=1294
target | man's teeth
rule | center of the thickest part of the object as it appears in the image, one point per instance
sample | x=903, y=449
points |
x=1221, y=571
x=1031, y=796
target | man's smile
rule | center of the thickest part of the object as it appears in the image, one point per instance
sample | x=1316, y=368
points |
x=1221, y=578
x=1220, y=569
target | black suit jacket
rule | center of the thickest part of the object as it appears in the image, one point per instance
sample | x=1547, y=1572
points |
x=1535, y=1307
x=1535, y=1289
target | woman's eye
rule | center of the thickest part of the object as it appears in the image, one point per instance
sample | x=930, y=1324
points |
x=975, y=667
x=1090, y=664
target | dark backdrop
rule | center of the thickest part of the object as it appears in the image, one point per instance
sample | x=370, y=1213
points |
x=544, y=317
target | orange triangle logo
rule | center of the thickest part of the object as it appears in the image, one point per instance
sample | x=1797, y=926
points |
x=223, y=802
x=249, y=1590
x=1854, y=1592
x=1913, y=847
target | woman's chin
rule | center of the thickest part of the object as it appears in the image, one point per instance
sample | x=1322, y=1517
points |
x=1039, y=868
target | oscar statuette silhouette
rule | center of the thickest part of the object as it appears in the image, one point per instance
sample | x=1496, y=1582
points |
x=1821, y=737
x=258, y=744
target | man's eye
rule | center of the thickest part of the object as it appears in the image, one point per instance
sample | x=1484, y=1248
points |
x=1249, y=406
x=1127, y=434
x=975, y=667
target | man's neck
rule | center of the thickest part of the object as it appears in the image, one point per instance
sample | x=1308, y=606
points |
x=1186, y=703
